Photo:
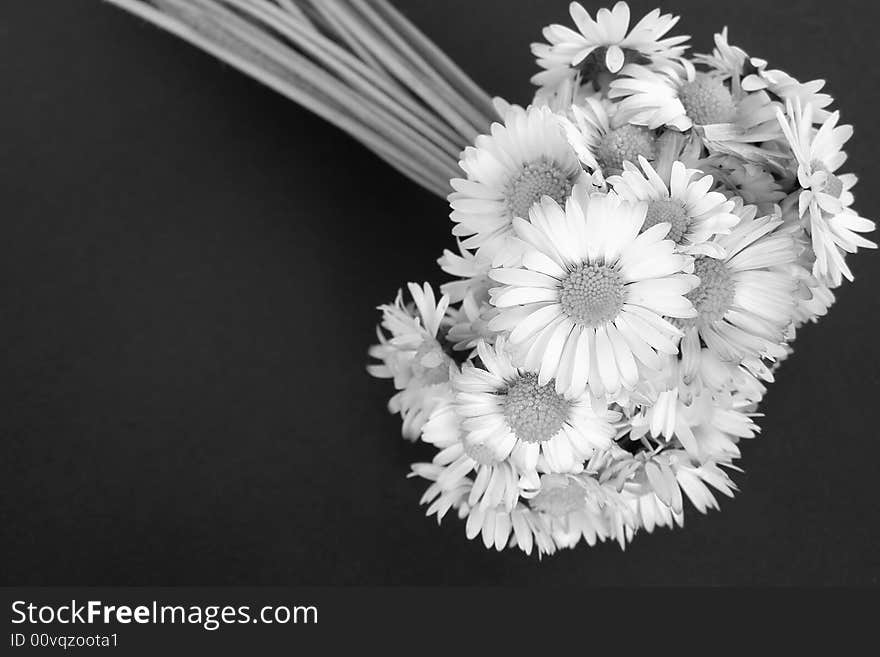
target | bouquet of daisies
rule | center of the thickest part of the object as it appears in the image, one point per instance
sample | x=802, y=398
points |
x=636, y=249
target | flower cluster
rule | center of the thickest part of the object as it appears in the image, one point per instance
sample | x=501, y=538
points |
x=636, y=250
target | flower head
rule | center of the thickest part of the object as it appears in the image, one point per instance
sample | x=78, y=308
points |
x=825, y=197
x=694, y=213
x=412, y=356
x=508, y=171
x=602, y=46
x=589, y=298
x=746, y=299
x=507, y=413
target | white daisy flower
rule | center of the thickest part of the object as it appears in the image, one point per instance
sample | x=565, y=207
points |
x=498, y=527
x=648, y=472
x=825, y=197
x=657, y=483
x=727, y=60
x=694, y=213
x=508, y=414
x=496, y=482
x=576, y=507
x=786, y=88
x=601, y=145
x=412, y=356
x=588, y=300
x=507, y=172
x=602, y=46
x=708, y=426
x=751, y=74
x=680, y=97
x=745, y=300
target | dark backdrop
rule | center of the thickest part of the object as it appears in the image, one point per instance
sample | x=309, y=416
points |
x=190, y=266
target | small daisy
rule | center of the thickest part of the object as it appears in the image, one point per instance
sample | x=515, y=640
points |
x=657, y=484
x=694, y=214
x=507, y=413
x=786, y=88
x=588, y=300
x=645, y=473
x=496, y=481
x=498, y=527
x=576, y=507
x=601, y=145
x=602, y=46
x=507, y=172
x=825, y=197
x=727, y=60
x=412, y=356
x=745, y=300
x=707, y=426
x=680, y=97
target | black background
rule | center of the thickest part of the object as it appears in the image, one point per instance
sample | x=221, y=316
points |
x=189, y=266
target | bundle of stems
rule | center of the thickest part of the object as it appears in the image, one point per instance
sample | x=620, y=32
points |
x=359, y=64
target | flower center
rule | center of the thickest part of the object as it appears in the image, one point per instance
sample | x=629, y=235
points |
x=592, y=294
x=479, y=453
x=667, y=210
x=534, y=413
x=559, y=500
x=430, y=364
x=623, y=144
x=706, y=100
x=536, y=179
x=714, y=295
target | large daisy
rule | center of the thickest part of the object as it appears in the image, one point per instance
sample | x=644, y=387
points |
x=602, y=46
x=507, y=172
x=746, y=300
x=507, y=413
x=694, y=214
x=825, y=197
x=588, y=300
